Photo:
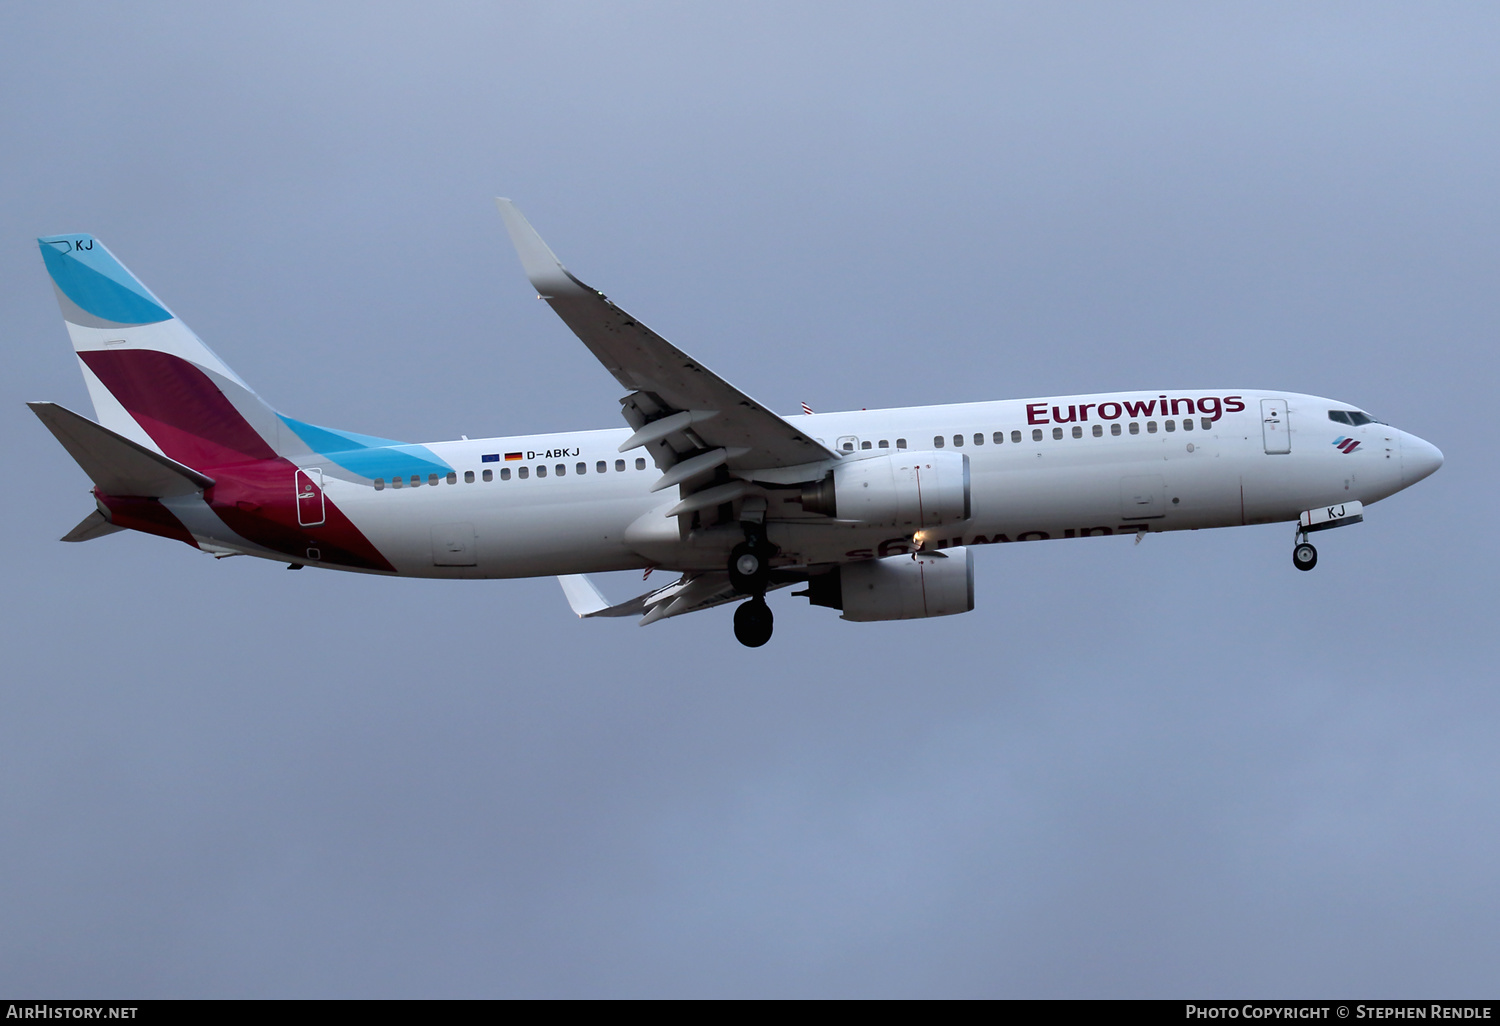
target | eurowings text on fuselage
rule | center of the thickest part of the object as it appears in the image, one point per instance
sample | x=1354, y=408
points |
x=874, y=512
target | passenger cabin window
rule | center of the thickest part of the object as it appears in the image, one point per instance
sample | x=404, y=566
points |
x=1099, y=430
x=1114, y=428
x=937, y=441
x=1077, y=431
x=1206, y=423
x=619, y=465
x=504, y=474
x=848, y=446
x=561, y=470
x=640, y=464
x=1150, y=427
x=395, y=482
x=541, y=471
x=978, y=438
x=998, y=437
x=1135, y=428
x=469, y=476
x=489, y=475
x=1015, y=436
x=1056, y=433
x=523, y=472
x=885, y=443
x=1036, y=434
x=958, y=440
x=864, y=445
x=601, y=466
x=1170, y=425
x=582, y=468
x=380, y=484
x=901, y=443
x=432, y=479
x=452, y=477
x=1187, y=424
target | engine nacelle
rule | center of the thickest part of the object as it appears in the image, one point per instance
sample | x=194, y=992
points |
x=907, y=490
x=899, y=587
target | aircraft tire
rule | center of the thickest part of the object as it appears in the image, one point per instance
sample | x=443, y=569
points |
x=753, y=623
x=1304, y=557
x=748, y=569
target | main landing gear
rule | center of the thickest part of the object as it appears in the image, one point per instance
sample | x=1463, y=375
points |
x=753, y=622
x=749, y=573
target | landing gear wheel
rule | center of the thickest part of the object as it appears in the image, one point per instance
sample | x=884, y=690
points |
x=748, y=569
x=753, y=623
x=1304, y=556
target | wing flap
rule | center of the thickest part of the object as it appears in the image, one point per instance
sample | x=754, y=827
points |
x=688, y=594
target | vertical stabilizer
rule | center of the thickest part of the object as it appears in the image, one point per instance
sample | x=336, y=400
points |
x=150, y=378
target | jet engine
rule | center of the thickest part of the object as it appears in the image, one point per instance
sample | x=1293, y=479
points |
x=909, y=490
x=899, y=587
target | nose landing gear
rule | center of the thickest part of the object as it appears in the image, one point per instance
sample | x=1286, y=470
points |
x=1323, y=518
x=1304, y=556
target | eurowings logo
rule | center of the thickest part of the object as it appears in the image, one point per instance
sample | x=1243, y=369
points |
x=1346, y=445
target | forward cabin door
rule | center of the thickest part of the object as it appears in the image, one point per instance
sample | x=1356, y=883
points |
x=1274, y=426
x=309, y=487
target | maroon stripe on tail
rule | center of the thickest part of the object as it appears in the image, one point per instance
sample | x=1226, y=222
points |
x=146, y=515
x=258, y=501
x=179, y=406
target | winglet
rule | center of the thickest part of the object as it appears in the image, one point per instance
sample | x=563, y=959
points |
x=583, y=597
x=546, y=273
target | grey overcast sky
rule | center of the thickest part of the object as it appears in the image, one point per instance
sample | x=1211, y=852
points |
x=1174, y=769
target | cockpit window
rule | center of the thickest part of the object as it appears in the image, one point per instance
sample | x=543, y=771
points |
x=1353, y=418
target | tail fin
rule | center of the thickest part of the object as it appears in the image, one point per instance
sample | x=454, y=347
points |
x=150, y=378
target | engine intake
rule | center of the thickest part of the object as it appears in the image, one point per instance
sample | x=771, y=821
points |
x=909, y=490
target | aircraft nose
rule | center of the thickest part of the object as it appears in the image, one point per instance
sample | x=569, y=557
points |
x=1418, y=459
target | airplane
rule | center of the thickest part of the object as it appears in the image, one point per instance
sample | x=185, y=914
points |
x=874, y=513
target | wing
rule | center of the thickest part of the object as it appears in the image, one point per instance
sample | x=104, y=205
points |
x=688, y=594
x=691, y=420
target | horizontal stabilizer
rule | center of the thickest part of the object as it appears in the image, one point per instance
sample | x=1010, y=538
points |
x=95, y=525
x=115, y=463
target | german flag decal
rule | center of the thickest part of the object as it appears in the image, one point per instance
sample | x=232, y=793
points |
x=511, y=457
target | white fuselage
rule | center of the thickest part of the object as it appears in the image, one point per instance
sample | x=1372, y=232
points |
x=1032, y=478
